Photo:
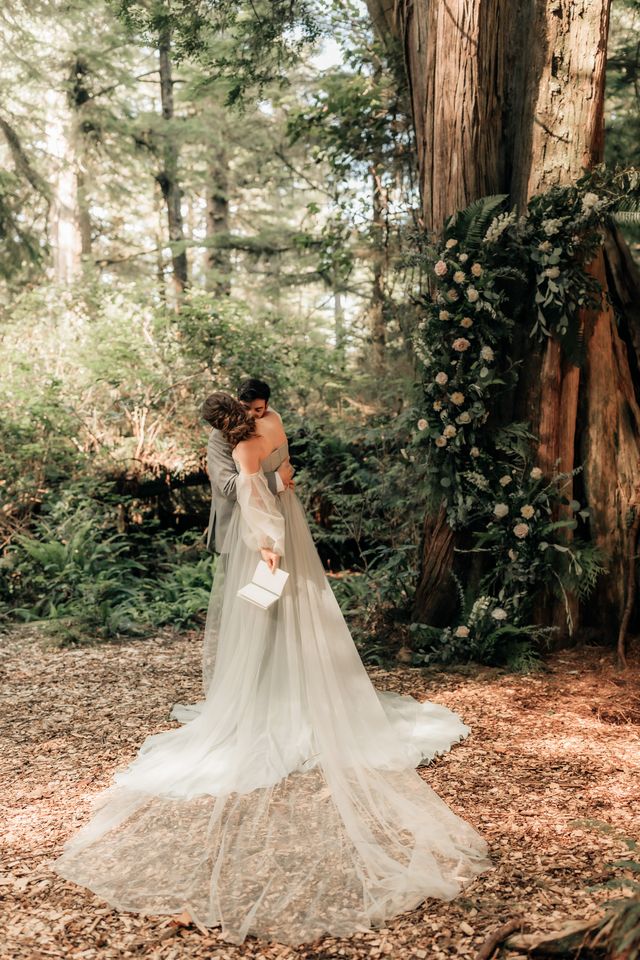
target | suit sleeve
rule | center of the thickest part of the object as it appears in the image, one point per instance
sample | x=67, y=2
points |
x=223, y=472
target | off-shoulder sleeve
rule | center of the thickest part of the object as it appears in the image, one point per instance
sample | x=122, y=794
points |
x=261, y=523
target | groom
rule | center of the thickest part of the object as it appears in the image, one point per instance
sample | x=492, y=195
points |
x=222, y=470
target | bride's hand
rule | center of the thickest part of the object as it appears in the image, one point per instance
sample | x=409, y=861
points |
x=270, y=558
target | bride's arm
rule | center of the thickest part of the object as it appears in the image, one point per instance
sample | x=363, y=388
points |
x=262, y=524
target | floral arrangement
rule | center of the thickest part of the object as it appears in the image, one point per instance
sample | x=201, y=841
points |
x=494, y=269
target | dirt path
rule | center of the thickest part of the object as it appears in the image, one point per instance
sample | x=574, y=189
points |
x=546, y=751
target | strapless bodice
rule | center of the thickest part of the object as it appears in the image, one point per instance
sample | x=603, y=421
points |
x=275, y=458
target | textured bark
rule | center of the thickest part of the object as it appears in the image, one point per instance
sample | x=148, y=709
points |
x=432, y=604
x=218, y=257
x=455, y=55
x=507, y=97
x=377, y=327
x=168, y=176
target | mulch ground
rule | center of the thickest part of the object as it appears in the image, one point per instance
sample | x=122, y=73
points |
x=550, y=776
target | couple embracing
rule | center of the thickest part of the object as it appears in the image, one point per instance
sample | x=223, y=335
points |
x=287, y=805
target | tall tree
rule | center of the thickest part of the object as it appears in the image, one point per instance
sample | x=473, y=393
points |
x=507, y=97
x=167, y=176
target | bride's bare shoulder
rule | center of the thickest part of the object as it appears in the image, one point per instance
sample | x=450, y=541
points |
x=247, y=453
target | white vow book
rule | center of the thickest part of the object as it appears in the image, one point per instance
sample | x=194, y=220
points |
x=265, y=588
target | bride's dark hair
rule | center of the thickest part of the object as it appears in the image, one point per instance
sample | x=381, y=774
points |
x=227, y=415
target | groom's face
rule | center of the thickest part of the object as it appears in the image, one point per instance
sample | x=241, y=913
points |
x=257, y=408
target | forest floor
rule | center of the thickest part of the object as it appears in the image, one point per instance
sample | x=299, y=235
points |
x=551, y=758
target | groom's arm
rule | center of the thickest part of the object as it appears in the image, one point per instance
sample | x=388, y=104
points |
x=223, y=472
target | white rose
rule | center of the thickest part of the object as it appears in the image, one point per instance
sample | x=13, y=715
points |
x=449, y=431
x=474, y=452
x=451, y=243
x=444, y=314
x=498, y=613
x=437, y=405
x=553, y=272
x=462, y=631
x=442, y=378
x=440, y=269
x=476, y=270
x=441, y=442
x=505, y=481
x=536, y=473
x=461, y=344
x=457, y=398
x=551, y=227
x=465, y=417
x=487, y=353
x=459, y=277
x=463, y=257
x=422, y=424
x=521, y=530
x=466, y=322
x=500, y=510
x=527, y=511
x=589, y=201
x=472, y=294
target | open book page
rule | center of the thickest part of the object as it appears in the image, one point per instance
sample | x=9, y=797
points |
x=266, y=586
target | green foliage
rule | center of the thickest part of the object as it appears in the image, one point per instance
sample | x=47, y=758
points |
x=90, y=580
x=491, y=271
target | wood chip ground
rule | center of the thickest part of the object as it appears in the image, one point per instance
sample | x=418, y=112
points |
x=550, y=754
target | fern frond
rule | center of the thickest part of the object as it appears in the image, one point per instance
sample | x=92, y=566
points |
x=470, y=225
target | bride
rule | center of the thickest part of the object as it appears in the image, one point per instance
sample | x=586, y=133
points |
x=288, y=805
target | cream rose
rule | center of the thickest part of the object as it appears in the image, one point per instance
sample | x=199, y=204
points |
x=422, y=424
x=462, y=631
x=466, y=322
x=442, y=378
x=449, y=431
x=476, y=270
x=472, y=294
x=527, y=511
x=441, y=442
x=457, y=398
x=521, y=530
x=461, y=344
x=500, y=510
x=440, y=269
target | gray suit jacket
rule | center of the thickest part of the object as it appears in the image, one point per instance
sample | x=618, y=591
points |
x=223, y=474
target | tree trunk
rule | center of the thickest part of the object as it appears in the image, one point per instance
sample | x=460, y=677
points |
x=507, y=97
x=377, y=326
x=218, y=263
x=66, y=242
x=168, y=176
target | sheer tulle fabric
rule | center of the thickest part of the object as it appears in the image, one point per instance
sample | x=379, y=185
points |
x=287, y=806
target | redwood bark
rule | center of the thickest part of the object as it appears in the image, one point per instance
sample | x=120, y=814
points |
x=507, y=97
x=218, y=255
x=168, y=176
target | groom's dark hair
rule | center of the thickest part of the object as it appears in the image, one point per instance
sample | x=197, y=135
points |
x=252, y=389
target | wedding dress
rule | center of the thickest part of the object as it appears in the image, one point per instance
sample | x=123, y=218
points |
x=287, y=806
